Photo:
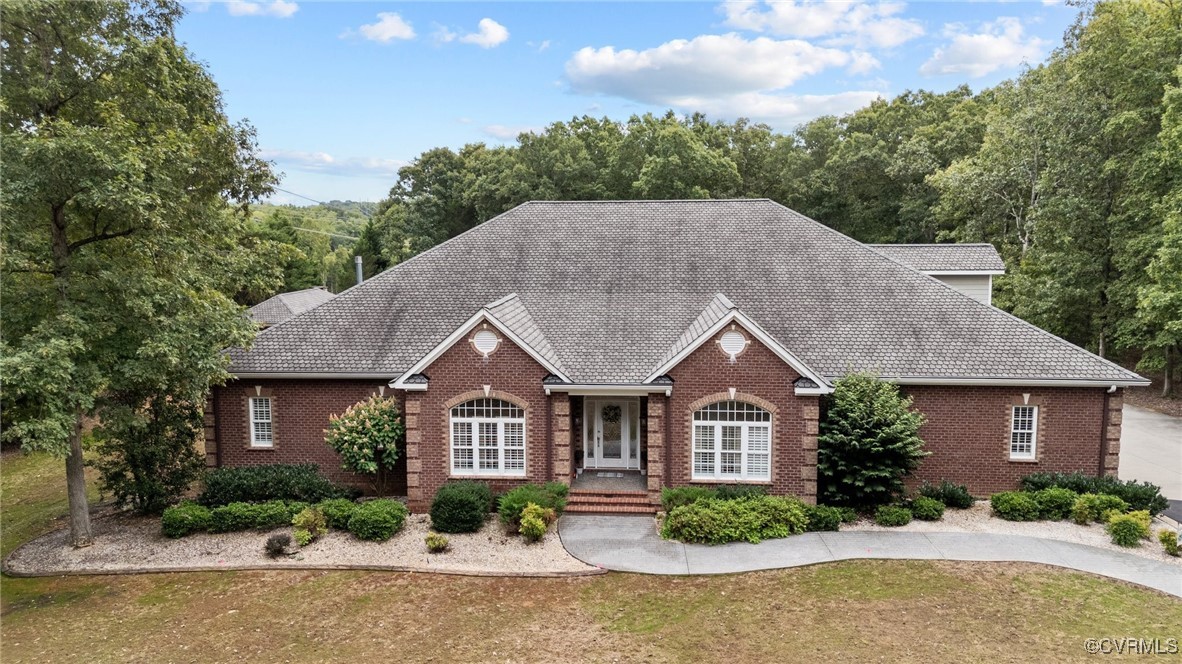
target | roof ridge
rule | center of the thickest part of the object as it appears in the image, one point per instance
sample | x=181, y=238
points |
x=653, y=200
x=929, y=244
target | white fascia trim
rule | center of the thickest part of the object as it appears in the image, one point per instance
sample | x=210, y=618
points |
x=964, y=273
x=308, y=374
x=1015, y=382
x=736, y=316
x=813, y=391
x=611, y=389
x=483, y=315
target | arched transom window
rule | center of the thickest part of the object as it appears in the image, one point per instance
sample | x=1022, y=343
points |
x=487, y=438
x=732, y=441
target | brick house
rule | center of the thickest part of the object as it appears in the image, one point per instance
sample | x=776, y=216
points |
x=669, y=342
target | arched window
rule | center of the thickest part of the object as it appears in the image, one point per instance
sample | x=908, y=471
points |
x=488, y=438
x=732, y=441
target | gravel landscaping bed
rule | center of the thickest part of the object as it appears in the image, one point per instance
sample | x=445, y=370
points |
x=978, y=519
x=127, y=544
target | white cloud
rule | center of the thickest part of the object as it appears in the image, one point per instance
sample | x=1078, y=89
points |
x=388, y=27
x=489, y=35
x=780, y=110
x=863, y=63
x=1000, y=43
x=841, y=23
x=707, y=65
x=442, y=35
x=506, y=133
x=540, y=47
x=198, y=6
x=324, y=163
x=280, y=8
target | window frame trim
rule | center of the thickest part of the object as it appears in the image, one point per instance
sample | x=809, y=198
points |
x=501, y=447
x=253, y=441
x=744, y=446
x=1034, y=415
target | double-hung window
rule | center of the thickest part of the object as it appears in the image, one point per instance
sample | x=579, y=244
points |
x=732, y=441
x=488, y=438
x=261, y=433
x=1024, y=433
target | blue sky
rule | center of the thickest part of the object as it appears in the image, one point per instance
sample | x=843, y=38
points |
x=343, y=93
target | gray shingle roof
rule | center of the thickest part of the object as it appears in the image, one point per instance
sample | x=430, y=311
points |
x=945, y=257
x=612, y=287
x=513, y=315
x=279, y=308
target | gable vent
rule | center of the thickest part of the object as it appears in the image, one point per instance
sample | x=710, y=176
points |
x=732, y=342
x=485, y=341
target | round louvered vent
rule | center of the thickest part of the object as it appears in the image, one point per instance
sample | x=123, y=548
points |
x=733, y=342
x=485, y=341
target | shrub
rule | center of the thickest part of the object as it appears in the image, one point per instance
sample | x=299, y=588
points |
x=437, y=543
x=892, y=516
x=869, y=441
x=245, y=484
x=1129, y=529
x=821, y=518
x=684, y=495
x=277, y=544
x=309, y=524
x=713, y=521
x=552, y=495
x=270, y=515
x=739, y=491
x=546, y=514
x=848, y=514
x=956, y=496
x=368, y=436
x=461, y=507
x=1014, y=506
x=533, y=522
x=294, y=507
x=232, y=517
x=1091, y=507
x=1169, y=542
x=377, y=520
x=1137, y=495
x=1055, y=503
x=147, y=457
x=927, y=509
x=183, y=519
x=337, y=512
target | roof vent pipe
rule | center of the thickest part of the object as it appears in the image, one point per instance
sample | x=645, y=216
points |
x=357, y=263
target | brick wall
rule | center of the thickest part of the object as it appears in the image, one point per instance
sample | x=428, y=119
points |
x=460, y=374
x=299, y=411
x=760, y=377
x=968, y=433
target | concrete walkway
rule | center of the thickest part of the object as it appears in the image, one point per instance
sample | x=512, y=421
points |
x=631, y=544
x=1151, y=450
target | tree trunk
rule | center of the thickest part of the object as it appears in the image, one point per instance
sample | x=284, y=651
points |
x=1167, y=380
x=76, y=489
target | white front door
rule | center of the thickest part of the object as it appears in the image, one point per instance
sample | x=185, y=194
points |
x=612, y=434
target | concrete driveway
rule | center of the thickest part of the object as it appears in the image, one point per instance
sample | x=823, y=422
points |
x=1151, y=450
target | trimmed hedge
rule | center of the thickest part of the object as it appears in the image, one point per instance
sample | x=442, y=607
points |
x=892, y=516
x=337, y=511
x=927, y=509
x=1129, y=529
x=822, y=518
x=245, y=516
x=377, y=520
x=714, y=521
x=552, y=495
x=461, y=507
x=183, y=519
x=1055, y=503
x=1014, y=506
x=739, y=491
x=956, y=496
x=245, y=484
x=672, y=497
x=1138, y=495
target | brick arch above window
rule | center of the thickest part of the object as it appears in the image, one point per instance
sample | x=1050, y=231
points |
x=726, y=396
x=492, y=394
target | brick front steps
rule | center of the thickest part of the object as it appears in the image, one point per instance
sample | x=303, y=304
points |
x=588, y=501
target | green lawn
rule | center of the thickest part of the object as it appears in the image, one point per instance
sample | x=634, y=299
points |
x=851, y=611
x=33, y=496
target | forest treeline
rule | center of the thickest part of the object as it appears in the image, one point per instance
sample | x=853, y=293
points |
x=1073, y=170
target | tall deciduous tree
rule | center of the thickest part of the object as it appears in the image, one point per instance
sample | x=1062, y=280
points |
x=118, y=240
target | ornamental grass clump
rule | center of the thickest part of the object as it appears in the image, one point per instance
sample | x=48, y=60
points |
x=368, y=437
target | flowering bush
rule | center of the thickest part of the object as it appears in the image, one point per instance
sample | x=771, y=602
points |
x=368, y=436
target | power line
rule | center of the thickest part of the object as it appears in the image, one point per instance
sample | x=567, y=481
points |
x=328, y=205
x=303, y=197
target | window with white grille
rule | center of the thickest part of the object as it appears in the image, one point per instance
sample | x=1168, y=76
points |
x=488, y=438
x=732, y=441
x=1024, y=432
x=261, y=433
